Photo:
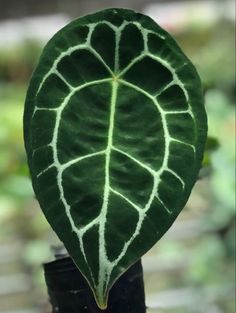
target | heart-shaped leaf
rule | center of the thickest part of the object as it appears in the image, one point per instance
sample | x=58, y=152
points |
x=114, y=129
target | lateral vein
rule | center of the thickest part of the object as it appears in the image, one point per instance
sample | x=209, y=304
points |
x=76, y=160
x=149, y=169
x=126, y=199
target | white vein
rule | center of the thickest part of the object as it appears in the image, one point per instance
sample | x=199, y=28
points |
x=148, y=168
x=183, y=143
x=54, y=69
x=137, y=208
x=36, y=109
x=39, y=148
x=63, y=79
x=172, y=83
x=117, y=57
x=102, y=244
x=178, y=112
x=45, y=170
x=163, y=204
x=177, y=176
x=79, y=159
x=91, y=29
x=175, y=80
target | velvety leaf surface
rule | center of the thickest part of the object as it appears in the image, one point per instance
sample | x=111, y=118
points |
x=114, y=129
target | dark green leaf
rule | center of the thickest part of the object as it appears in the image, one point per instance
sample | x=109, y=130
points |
x=114, y=130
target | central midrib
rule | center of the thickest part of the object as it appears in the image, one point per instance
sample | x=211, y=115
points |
x=102, y=251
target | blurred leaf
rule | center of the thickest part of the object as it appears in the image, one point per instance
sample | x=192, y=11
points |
x=230, y=241
x=209, y=48
x=212, y=144
x=221, y=122
x=37, y=252
x=17, y=186
x=206, y=261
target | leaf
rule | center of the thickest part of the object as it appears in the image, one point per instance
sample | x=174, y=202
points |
x=212, y=144
x=114, y=128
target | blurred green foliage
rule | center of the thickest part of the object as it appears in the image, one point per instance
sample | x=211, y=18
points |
x=18, y=61
x=212, y=50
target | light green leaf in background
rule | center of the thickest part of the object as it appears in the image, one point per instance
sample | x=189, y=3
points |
x=114, y=128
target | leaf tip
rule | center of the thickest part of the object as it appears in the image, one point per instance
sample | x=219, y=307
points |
x=102, y=303
x=101, y=300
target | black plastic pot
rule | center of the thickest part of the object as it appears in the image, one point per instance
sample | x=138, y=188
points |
x=69, y=292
